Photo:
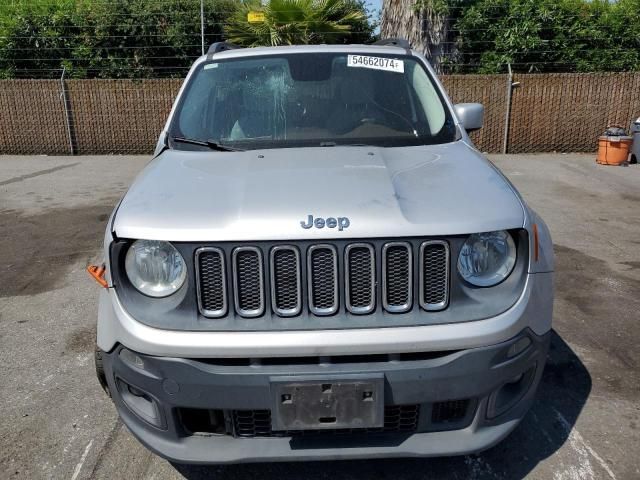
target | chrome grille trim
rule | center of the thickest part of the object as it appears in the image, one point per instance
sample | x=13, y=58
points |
x=359, y=310
x=285, y=312
x=210, y=313
x=253, y=312
x=311, y=280
x=390, y=307
x=441, y=305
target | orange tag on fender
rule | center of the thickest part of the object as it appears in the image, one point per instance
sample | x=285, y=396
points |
x=97, y=272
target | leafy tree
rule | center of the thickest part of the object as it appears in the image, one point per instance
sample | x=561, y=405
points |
x=533, y=35
x=31, y=34
x=549, y=35
x=289, y=22
x=107, y=39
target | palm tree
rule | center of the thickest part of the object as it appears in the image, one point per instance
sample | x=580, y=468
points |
x=290, y=22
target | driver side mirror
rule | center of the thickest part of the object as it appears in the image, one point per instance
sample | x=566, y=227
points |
x=470, y=115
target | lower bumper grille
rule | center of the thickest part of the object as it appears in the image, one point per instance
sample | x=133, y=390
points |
x=450, y=411
x=439, y=416
x=257, y=423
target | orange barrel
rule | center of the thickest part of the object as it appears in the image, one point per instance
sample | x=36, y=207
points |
x=613, y=150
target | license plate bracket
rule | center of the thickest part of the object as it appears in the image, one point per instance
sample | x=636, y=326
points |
x=327, y=403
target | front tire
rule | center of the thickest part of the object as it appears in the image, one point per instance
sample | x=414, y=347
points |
x=102, y=377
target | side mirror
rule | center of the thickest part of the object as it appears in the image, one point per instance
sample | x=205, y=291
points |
x=470, y=115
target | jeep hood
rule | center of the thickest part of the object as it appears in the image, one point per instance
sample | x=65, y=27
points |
x=264, y=194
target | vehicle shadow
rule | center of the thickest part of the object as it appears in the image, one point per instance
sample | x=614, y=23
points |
x=565, y=387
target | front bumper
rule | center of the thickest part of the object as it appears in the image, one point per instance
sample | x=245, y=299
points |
x=476, y=376
x=533, y=310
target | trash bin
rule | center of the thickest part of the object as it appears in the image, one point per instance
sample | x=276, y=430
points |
x=613, y=146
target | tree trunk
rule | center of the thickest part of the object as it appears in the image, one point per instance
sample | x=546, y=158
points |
x=427, y=31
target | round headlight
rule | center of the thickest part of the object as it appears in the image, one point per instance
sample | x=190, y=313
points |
x=155, y=268
x=487, y=258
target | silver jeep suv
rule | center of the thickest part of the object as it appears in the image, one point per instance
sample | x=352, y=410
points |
x=317, y=263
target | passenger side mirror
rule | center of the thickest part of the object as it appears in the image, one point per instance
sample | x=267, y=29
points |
x=470, y=115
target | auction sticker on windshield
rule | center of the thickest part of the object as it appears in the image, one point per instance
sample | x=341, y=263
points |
x=376, y=63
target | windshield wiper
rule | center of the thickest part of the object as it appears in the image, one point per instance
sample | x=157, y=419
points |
x=207, y=143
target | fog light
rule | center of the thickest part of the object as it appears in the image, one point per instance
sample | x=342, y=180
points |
x=510, y=393
x=135, y=392
x=140, y=403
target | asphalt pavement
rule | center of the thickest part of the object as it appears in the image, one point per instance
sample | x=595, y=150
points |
x=56, y=422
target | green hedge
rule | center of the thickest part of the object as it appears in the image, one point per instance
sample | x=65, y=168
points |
x=105, y=39
x=117, y=38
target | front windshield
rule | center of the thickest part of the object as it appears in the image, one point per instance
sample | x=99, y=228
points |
x=319, y=99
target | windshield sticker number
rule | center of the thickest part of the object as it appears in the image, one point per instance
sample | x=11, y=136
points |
x=376, y=63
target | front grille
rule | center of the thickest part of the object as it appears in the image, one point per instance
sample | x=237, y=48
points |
x=434, y=275
x=397, y=278
x=211, y=277
x=248, y=281
x=360, y=286
x=323, y=281
x=285, y=281
x=314, y=278
x=257, y=423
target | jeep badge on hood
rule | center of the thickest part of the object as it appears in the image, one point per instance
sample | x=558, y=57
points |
x=329, y=222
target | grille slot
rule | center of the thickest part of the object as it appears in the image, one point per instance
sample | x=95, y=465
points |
x=322, y=273
x=434, y=275
x=248, y=281
x=211, y=282
x=257, y=423
x=360, y=285
x=286, y=292
x=401, y=418
x=252, y=423
x=397, y=277
x=449, y=411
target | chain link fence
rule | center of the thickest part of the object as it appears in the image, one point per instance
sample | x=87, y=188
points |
x=549, y=112
x=566, y=112
x=490, y=90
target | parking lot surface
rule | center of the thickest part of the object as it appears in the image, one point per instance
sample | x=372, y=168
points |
x=57, y=423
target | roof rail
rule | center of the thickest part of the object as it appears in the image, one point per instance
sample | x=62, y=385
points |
x=394, y=42
x=221, y=47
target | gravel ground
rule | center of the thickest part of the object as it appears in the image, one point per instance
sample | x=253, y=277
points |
x=57, y=423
